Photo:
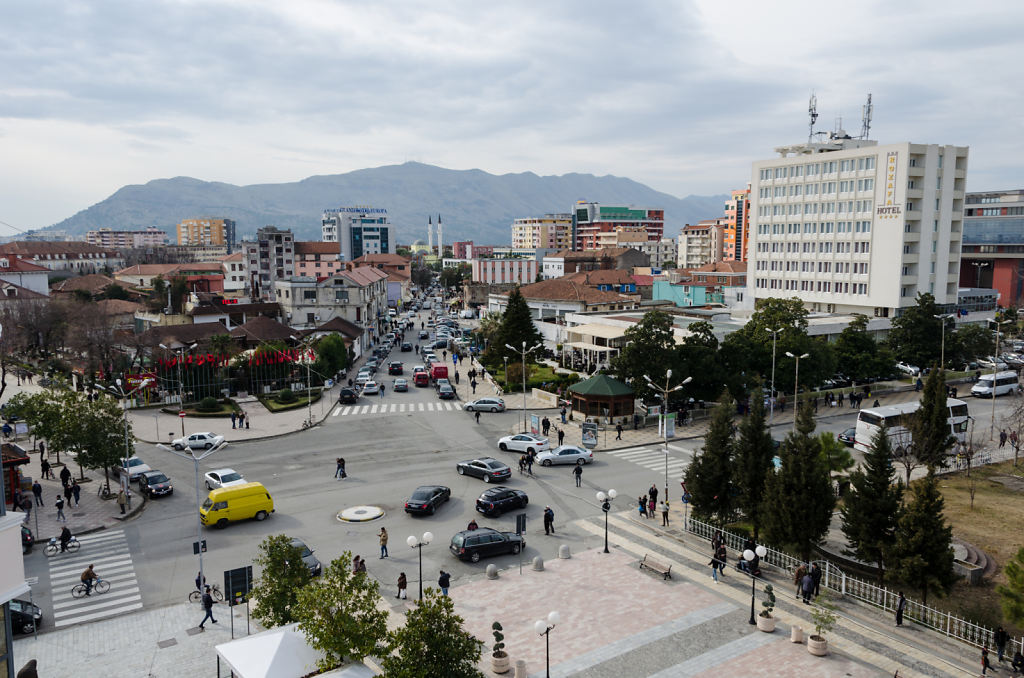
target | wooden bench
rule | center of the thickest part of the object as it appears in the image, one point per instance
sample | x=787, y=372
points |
x=661, y=568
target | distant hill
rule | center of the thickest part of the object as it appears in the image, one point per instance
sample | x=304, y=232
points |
x=473, y=204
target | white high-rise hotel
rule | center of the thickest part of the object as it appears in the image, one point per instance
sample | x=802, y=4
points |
x=851, y=226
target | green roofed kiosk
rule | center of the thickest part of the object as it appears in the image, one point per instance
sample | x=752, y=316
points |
x=600, y=394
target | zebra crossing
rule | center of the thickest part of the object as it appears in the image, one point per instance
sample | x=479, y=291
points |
x=108, y=552
x=653, y=457
x=395, y=408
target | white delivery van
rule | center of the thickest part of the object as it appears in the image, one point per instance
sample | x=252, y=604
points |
x=990, y=386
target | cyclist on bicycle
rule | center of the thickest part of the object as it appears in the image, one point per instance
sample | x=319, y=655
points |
x=65, y=538
x=88, y=577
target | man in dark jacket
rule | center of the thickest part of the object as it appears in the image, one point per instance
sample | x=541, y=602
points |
x=816, y=576
x=443, y=582
x=208, y=606
x=549, y=520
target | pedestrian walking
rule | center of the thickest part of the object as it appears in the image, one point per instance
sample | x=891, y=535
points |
x=522, y=464
x=618, y=431
x=721, y=555
x=1002, y=438
x=472, y=385
x=208, y=603
x=562, y=412
x=383, y=536
x=545, y=425
x=65, y=476
x=529, y=462
x=122, y=499
x=653, y=492
x=476, y=415
x=456, y=378
x=840, y=399
x=798, y=578
x=76, y=490
x=650, y=508
x=234, y=418
x=44, y=466
x=807, y=588
x=16, y=500
x=67, y=494
x=578, y=472
x=60, y=508
x=901, y=606
x=1014, y=440
x=403, y=583
x=816, y=576
x=642, y=501
x=985, y=665
x=549, y=520
x=37, y=490
x=339, y=470
x=714, y=566
x=999, y=638
x=443, y=582
x=664, y=514
x=561, y=436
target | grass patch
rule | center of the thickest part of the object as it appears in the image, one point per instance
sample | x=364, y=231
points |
x=302, y=399
x=539, y=374
x=224, y=410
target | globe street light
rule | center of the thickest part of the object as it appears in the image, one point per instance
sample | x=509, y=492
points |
x=544, y=628
x=664, y=412
x=415, y=543
x=796, y=384
x=606, y=506
x=748, y=555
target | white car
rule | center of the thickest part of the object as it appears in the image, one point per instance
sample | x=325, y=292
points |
x=136, y=467
x=523, y=442
x=565, y=454
x=223, y=477
x=198, y=441
x=908, y=369
x=371, y=388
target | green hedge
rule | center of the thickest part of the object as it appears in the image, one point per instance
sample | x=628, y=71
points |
x=225, y=408
x=272, y=404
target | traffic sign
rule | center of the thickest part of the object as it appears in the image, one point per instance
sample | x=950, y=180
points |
x=181, y=414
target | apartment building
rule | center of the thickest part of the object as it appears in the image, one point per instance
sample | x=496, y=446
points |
x=317, y=259
x=111, y=239
x=522, y=271
x=269, y=259
x=993, y=248
x=77, y=257
x=551, y=231
x=359, y=296
x=854, y=226
x=737, y=225
x=701, y=243
x=359, y=230
x=207, y=231
x=591, y=221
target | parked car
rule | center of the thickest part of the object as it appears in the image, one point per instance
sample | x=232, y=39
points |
x=223, y=477
x=362, y=380
x=348, y=396
x=487, y=468
x=28, y=540
x=442, y=382
x=446, y=392
x=155, y=484
x=565, y=454
x=406, y=347
x=25, y=616
x=308, y=559
x=396, y=367
x=136, y=467
x=401, y=385
x=523, y=442
x=992, y=363
x=426, y=499
x=485, y=405
x=472, y=545
x=423, y=334
x=847, y=436
x=198, y=441
x=497, y=500
x=371, y=388
x=908, y=369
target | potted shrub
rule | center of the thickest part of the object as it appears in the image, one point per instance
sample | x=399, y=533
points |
x=824, y=617
x=765, y=620
x=499, y=658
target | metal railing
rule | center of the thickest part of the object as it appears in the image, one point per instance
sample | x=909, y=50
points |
x=844, y=584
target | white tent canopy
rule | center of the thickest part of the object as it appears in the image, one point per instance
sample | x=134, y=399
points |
x=279, y=653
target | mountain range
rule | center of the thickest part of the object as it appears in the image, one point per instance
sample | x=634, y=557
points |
x=473, y=204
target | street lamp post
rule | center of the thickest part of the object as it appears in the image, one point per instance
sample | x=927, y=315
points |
x=606, y=506
x=544, y=628
x=664, y=412
x=524, y=352
x=180, y=352
x=796, y=384
x=120, y=393
x=942, y=350
x=418, y=544
x=506, y=372
x=309, y=386
x=748, y=556
x=995, y=370
x=771, y=399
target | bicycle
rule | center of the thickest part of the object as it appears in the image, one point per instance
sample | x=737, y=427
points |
x=196, y=596
x=101, y=586
x=53, y=547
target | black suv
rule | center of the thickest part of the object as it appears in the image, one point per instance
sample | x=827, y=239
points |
x=482, y=542
x=498, y=500
x=348, y=396
x=155, y=484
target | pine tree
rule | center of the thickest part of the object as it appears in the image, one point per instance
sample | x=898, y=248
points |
x=929, y=425
x=709, y=475
x=1011, y=596
x=432, y=643
x=872, y=508
x=798, y=498
x=753, y=461
x=516, y=327
x=922, y=555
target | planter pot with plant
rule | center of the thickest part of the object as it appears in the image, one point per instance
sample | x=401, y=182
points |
x=765, y=620
x=824, y=617
x=499, y=658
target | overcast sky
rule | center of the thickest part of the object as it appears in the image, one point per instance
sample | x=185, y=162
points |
x=682, y=95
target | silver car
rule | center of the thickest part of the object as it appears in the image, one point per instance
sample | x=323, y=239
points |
x=565, y=454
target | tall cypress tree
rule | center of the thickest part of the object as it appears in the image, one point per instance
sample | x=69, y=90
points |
x=709, y=475
x=922, y=556
x=929, y=425
x=753, y=461
x=872, y=508
x=798, y=499
x=516, y=327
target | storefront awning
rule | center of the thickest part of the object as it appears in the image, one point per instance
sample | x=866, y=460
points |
x=584, y=346
x=596, y=330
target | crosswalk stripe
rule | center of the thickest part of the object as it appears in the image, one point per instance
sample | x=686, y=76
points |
x=680, y=449
x=118, y=569
x=421, y=407
x=109, y=553
x=347, y=410
x=110, y=558
x=119, y=590
x=98, y=615
x=336, y=411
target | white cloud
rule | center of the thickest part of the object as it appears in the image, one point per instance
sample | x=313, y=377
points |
x=680, y=95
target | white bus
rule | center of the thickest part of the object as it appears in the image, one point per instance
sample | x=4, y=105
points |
x=1005, y=382
x=895, y=416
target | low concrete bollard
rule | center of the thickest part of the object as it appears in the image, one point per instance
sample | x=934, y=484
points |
x=492, y=571
x=796, y=634
x=538, y=563
x=520, y=669
x=563, y=552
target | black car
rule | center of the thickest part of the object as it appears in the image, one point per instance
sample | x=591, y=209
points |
x=27, y=540
x=348, y=396
x=498, y=500
x=308, y=559
x=25, y=616
x=482, y=542
x=424, y=334
x=155, y=484
x=487, y=468
x=396, y=367
x=426, y=499
x=847, y=437
x=445, y=392
x=406, y=347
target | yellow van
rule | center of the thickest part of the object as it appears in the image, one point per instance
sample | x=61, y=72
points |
x=238, y=502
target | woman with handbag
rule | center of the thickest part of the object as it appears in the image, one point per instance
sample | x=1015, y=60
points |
x=402, y=585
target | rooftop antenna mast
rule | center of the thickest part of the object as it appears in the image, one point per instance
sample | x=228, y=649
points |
x=866, y=118
x=812, y=111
